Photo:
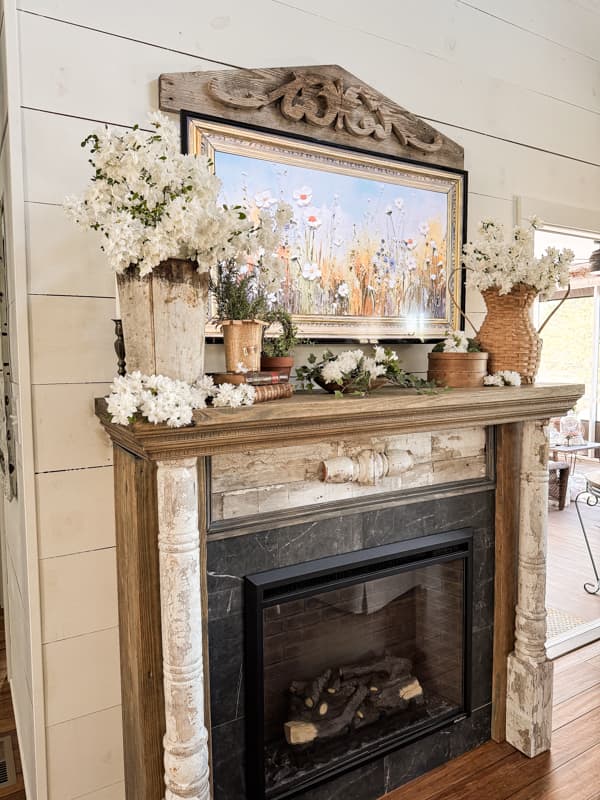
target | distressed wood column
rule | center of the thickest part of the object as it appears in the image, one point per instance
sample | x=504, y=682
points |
x=186, y=738
x=529, y=698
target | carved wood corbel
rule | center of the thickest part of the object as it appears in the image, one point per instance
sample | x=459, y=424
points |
x=367, y=468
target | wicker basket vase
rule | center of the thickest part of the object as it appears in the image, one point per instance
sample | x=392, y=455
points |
x=457, y=370
x=507, y=332
x=243, y=342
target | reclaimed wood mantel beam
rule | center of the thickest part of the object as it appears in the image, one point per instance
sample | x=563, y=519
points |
x=312, y=417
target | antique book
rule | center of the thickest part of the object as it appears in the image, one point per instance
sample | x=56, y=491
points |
x=273, y=392
x=260, y=378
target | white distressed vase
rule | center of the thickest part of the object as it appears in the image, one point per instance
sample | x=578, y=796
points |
x=164, y=316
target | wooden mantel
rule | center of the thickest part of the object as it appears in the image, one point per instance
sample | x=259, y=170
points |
x=311, y=417
x=161, y=530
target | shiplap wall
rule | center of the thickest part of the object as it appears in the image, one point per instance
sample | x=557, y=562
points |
x=516, y=83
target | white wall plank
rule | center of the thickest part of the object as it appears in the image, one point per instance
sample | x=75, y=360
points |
x=93, y=744
x=57, y=75
x=79, y=594
x=495, y=106
x=502, y=169
x=63, y=258
x=75, y=511
x=82, y=675
x=464, y=36
x=71, y=339
x=567, y=23
x=67, y=432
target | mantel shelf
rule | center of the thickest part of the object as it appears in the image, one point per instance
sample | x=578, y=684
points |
x=314, y=417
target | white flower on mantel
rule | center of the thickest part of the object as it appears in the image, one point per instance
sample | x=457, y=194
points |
x=505, y=377
x=161, y=399
x=153, y=203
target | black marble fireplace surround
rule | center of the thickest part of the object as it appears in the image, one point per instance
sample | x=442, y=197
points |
x=229, y=560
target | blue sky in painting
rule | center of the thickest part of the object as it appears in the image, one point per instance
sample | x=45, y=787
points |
x=359, y=203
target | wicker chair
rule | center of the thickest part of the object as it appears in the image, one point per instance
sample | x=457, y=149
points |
x=559, y=482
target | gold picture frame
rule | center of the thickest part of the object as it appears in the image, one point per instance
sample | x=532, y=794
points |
x=374, y=250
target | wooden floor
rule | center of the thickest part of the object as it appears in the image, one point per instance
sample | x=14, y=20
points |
x=7, y=722
x=498, y=772
x=569, y=565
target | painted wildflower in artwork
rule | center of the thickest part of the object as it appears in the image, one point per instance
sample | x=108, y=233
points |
x=373, y=246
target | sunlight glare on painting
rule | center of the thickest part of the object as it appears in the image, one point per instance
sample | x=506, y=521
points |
x=357, y=245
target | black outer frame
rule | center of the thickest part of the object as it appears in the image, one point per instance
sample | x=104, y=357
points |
x=184, y=116
x=272, y=587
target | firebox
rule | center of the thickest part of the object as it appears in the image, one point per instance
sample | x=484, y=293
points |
x=352, y=656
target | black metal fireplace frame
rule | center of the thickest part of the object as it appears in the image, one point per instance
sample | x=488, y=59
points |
x=295, y=582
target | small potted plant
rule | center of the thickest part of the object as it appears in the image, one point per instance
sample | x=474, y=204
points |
x=278, y=351
x=241, y=308
x=457, y=362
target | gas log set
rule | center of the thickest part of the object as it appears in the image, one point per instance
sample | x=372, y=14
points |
x=350, y=697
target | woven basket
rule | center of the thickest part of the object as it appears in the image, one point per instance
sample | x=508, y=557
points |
x=243, y=342
x=457, y=370
x=507, y=332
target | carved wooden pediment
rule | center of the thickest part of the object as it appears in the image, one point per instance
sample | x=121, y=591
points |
x=326, y=103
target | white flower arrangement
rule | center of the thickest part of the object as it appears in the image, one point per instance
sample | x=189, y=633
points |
x=495, y=262
x=457, y=342
x=355, y=372
x=153, y=202
x=505, y=377
x=162, y=399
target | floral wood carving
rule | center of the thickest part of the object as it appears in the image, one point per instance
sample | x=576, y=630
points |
x=325, y=102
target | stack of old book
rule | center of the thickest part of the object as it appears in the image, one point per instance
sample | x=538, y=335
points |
x=268, y=385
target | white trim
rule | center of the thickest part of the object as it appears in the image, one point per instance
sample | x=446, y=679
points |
x=571, y=640
x=558, y=215
x=37, y=784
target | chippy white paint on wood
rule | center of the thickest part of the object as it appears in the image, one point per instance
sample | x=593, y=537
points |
x=263, y=481
x=529, y=698
x=163, y=318
x=186, y=738
x=368, y=468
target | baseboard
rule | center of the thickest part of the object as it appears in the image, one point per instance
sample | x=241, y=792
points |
x=571, y=640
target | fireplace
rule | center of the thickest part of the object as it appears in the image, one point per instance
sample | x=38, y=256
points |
x=352, y=656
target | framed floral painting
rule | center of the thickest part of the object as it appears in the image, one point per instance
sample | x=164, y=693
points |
x=373, y=250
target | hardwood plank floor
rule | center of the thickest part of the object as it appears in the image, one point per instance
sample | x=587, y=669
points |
x=7, y=722
x=569, y=565
x=571, y=771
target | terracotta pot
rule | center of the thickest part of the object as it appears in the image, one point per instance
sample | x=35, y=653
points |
x=507, y=332
x=457, y=370
x=277, y=363
x=243, y=342
x=163, y=317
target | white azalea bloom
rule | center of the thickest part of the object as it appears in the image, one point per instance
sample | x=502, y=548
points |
x=151, y=203
x=456, y=342
x=331, y=373
x=493, y=380
x=497, y=262
x=160, y=399
x=510, y=377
